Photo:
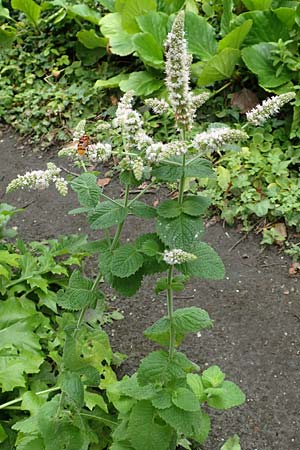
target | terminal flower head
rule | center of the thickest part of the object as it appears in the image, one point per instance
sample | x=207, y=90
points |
x=40, y=180
x=178, y=256
x=269, y=108
x=215, y=138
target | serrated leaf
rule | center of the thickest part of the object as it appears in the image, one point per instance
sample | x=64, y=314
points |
x=142, y=429
x=232, y=443
x=72, y=386
x=150, y=247
x=169, y=209
x=162, y=400
x=126, y=261
x=128, y=286
x=87, y=189
x=131, y=388
x=157, y=368
x=106, y=215
x=180, y=232
x=185, y=399
x=208, y=264
x=195, y=382
x=78, y=294
x=195, y=205
x=12, y=259
x=213, y=377
x=167, y=172
x=91, y=399
x=141, y=209
x=200, y=168
x=225, y=397
x=185, y=422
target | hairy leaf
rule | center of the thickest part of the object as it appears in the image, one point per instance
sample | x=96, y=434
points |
x=180, y=232
x=106, y=215
x=169, y=209
x=195, y=205
x=126, y=261
x=141, y=209
x=227, y=396
x=72, y=386
x=87, y=189
x=78, y=294
x=213, y=377
x=208, y=265
x=128, y=286
x=185, y=422
x=185, y=399
x=232, y=443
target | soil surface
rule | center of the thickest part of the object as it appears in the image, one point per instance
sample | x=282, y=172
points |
x=256, y=310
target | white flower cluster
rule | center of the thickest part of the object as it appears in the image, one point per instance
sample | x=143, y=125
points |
x=178, y=62
x=158, y=151
x=270, y=107
x=79, y=129
x=213, y=139
x=98, y=152
x=40, y=179
x=177, y=256
x=158, y=106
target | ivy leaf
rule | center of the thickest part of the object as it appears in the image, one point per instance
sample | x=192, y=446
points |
x=227, y=396
x=126, y=261
x=180, y=232
x=169, y=209
x=141, y=209
x=232, y=443
x=185, y=399
x=208, y=265
x=106, y=215
x=78, y=294
x=87, y=189
x=142, y=428
x=213, y=377
x=195, y=205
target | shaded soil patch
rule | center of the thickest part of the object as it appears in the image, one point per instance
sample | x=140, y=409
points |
x=256, y=310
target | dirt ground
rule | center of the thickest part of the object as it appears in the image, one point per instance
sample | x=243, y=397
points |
x=256, y=309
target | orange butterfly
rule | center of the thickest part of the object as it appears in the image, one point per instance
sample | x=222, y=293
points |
x=83, y=144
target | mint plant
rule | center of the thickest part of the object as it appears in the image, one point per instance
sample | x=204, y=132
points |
x=160, y=406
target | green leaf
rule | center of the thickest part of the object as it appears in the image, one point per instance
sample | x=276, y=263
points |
x=150, y=247
x=112, y=82
x=88, y=56
x=143, y=429
x=185, y=399
x=31, y=9
x=169, y=209
x=195, y=382
x=72, y=386
x=235, y=38
x=133, y=9
x=213, y=377
x=195, y=205
x=219, y=67
x=162, y=400
x=131, y=388
x=257, y=4
x=12, y=259
x=142, y=83
x=258, y=58
x=128, y=286
x=232, y=443
x=170, y=6
x=180, y=232
x=120, y=41
x=200, y=168
x=167, y=172
x=148, y=50
x=141, y=209
x=261, y=208
x=86, y=13
x=227, y=16
x=266, y=27
x=7, y=36
x=106, y=215
x=90, y=39
x=87, y=189
x=92, y=399
x=185, y=422
x=200, y=36
x=4, y=12
x=157, y=368
x=155, y=23
x=286, y=16
x=225, y=397
x=191, y=320
x=126, y=261
x=208, y=265
x=78, y=294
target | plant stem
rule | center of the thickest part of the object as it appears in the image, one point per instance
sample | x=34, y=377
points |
x=170, y=313
x=182, y=182
x=140, y=193
x=83, y=311
x=120, y=226
x=19, y=399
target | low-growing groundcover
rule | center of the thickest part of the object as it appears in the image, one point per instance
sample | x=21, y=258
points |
x=255, y=338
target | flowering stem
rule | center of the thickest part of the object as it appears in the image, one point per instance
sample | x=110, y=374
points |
x=120, y=226
x=170, y=313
